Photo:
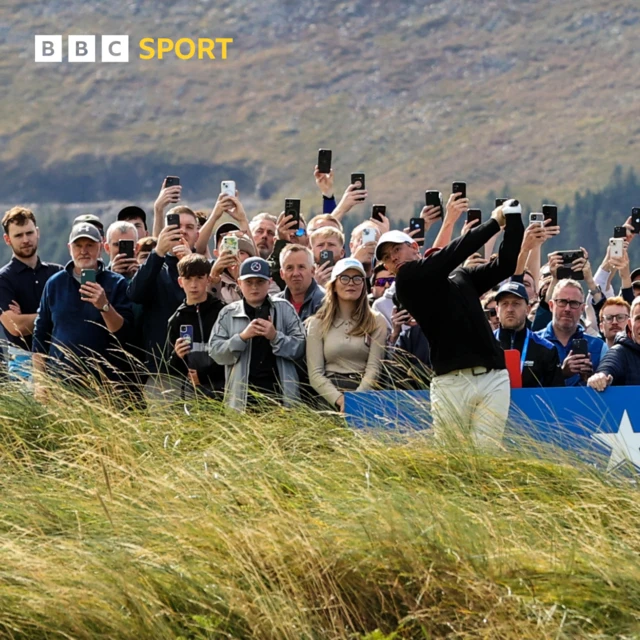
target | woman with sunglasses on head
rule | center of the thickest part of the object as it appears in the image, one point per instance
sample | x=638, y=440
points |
x=345, y=339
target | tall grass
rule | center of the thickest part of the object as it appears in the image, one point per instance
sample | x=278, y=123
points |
x=289, y=525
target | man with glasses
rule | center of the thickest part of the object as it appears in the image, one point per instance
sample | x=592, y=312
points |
x=567, y=306
x=539, y=362
x=613, y=318
x=470, y=393
x=621, y=364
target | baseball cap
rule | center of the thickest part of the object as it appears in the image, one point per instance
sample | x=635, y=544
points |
x=85, y=230
x=635, y=275
x=132, y=212
x=392, y=237
x=344, y=265
x=90, y=219
x=254, y=268
x=513, y=288
x=225, y=227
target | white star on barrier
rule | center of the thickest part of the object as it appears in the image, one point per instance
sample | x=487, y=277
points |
x=624, y=444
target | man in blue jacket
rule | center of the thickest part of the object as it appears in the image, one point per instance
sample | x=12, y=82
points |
x=621, y=364
x=84, y=315
x=155, y=285
x=566, y=307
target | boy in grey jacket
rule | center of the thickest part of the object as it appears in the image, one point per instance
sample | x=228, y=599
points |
x=258, y=339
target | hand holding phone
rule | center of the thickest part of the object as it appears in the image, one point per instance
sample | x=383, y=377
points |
x=635, y=219
x=474, y=214
x=460, y=188
x=326, y=256
x=173, y=219
x=126, y=247
x=616, y=247
x=358, y=177
x=550, y=212
x=292, y=209
x=536, y=218
x=416, y=224
x=228, y=188
x=566, y=270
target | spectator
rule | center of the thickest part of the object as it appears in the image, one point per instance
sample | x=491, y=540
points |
x=613, y=318
x=224, y=273
x=490, y=307
x=137, y=217
x=118, y=261
x=263, y=230
x=539, y=362
x=301, y=290
x=189, y=357
x=323, y=220
x=566, y=307
x=144, y=247
x=258, y=340
x=346, y=339
x=381, y=280
x=470, y=390
x=353, y=196
x=289, y=231
x=621, y=364
x=326, y=239
x=22, y=281
x=155, y=285
x=409, y=357
x=80, y=326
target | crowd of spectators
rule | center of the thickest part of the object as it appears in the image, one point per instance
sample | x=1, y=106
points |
x=288, y=308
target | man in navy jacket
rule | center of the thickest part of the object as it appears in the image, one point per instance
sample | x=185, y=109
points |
x=80, y=324
x=621, y=364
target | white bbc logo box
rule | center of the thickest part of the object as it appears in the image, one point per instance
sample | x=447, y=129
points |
x=82, y=48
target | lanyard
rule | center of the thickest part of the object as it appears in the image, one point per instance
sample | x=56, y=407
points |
x=524, y=350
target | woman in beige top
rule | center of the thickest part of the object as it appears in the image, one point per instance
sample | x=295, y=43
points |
x=345, y=339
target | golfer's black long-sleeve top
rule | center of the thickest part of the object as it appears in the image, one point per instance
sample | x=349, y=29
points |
x=444, y=298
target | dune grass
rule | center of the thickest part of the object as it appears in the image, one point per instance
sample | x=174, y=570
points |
x=290, y=525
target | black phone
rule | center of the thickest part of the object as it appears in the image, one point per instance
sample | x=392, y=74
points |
x=550, y=212
x=173, y=218
x=619, y=232
x=326, y=256
x=459, y=187
x=378, y=212
x=500, y=202
x=635, y=219
x=171, y=181
x=474, y=214
x=433, y=198
x=126, y=247
x=263, y=312
x=324, y=160
x=417, y=223
x=580, y=347
x=292, y=208
x=358, y=177
x=568, y=258
x=87, y=275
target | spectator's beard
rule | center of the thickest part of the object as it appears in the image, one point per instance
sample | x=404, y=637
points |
x=264, y=252
x=27, y=252
x=513, y=324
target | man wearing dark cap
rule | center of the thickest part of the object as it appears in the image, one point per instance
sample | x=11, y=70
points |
x=137, y=217
x=470, y=393
x=258, y=339
x=539, y=361
x=84, y=314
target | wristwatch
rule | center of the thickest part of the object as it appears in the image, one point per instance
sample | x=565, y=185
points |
x=106, y=308
x=596, y=291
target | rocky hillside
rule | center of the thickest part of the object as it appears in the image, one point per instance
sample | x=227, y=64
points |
x=536, y=94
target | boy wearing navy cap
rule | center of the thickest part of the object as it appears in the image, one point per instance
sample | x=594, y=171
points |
x=258, y=340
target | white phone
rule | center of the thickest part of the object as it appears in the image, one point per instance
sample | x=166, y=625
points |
x=369, y=235
x=617, y=247
x=228, y=187
x=536, y=218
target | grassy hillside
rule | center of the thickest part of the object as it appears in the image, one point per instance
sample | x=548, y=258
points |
x=212, y=525
x=539, y=94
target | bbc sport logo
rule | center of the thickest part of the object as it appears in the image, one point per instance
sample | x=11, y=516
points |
x=115, y=48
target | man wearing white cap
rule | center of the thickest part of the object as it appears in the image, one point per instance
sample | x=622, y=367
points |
x=470, y=391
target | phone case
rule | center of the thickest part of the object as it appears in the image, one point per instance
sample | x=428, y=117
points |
x=324, y=160
x=228, y=187
x=171, y=181
x=459, y=187
x=617, y=247
x=358, y=177
x=230, y=243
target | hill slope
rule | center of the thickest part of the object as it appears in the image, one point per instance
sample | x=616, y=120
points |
x=536, y=94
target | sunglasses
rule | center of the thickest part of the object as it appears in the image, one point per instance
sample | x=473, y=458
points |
x=490, y=313
x=383, y=282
